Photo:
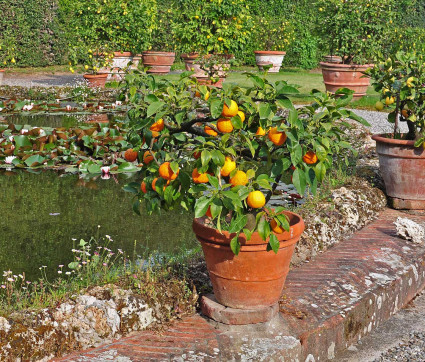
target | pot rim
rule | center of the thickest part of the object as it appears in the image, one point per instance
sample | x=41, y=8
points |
x=122, y=54
x=381, y=138
x=150, y=52
x=269, y=52
x=345, y=66
x=98, y=75
x=286, y=238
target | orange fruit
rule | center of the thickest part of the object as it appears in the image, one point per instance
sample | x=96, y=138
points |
x=147, y=157
x=230, y=111
x=199, y=178
x=210, y=131
x=256, y=199
x=310, y=158
x=228, y=167
x=143, y=187
x=405, y=113
x=208, y=213
x=241, y=115
x=224, y=125
x=239, y=178
x=158, y=126
x=130, y=155
x=276, y=228
x=154, y=183
x=155, y=134
x=166, y=172
x=389, y=100
x=260, y=132
x=278, y=138
x=207, y=96
x=196, y=155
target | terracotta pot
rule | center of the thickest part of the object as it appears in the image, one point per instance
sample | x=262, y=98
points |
x=1, y=76
x=267, y=57
x=402, y=166
x=255, y=278
x=96, y=80
x=348, y=76
x=120, y=62
x=206, y=81
x=159, y=62
x=332, y=59
x=136, y=60
x=97, y=118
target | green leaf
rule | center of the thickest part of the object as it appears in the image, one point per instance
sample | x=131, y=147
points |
x=201, y=206
x=235, y=245
x=263, y=228
x=127, y=167
x=285, y=103
x=237, y=122
x=216, y=108
x=22, y=141
x=218, y=158
x=274, y=243
x=205, y=157
x=136, y=206
x=264, y=110
x=299, y=181
x=34, y=160
x=213, y=181
x=236, y=225
x=73, y=265
x=154, y=108
x=320, y=170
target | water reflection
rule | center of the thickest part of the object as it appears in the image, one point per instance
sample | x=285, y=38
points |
x=40, y=214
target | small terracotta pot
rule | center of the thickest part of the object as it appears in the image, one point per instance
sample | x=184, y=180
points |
x=159, y=62
x=96, y=80
x=255, y=278
x=402, y=166
x=1, y=76
x=348, y=76
x=267, y=57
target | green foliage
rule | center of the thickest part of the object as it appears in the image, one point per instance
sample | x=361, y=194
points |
x=34, y=30
x=216, y=26
x=120, y=24
x=355, y=29
x=271, y=34
x=260, y=162
x=400, y=82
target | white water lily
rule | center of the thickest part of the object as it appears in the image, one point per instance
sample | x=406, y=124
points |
x=9, y=159
x=105, y=170
x=100, y=108
x=1, y=109
x=24, y=131
x=42, y=132
x=68, y=107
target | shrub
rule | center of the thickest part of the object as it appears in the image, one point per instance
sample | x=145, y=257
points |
x=217, y=26
x=354, y=29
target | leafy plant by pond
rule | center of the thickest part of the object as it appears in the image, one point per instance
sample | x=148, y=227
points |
x=85, y=149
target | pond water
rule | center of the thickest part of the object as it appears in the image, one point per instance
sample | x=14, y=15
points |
x=42, y=212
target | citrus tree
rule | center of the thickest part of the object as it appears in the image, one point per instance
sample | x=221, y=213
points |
x=400, y=82
x=7, y=53
x=216, y=26
x=222, y=152
x=356, y=30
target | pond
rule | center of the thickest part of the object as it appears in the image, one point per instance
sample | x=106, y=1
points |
x=41, y=212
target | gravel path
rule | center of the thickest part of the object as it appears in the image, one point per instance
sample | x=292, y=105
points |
x=411, y=349
x=379, y=122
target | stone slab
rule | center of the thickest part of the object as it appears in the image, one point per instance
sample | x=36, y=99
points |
x=218, y=312
x=404, y=204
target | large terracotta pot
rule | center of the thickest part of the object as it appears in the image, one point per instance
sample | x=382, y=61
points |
x=159, y=62
x=348, y=76
x=96, y=80
x=120, y=62
x=255, y=278
x=1, y=76
x=402, y=166
x=267, y=57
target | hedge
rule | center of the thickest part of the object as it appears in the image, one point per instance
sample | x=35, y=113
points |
x=40, y=30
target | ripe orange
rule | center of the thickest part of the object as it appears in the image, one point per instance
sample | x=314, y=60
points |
x=239, y=178
x=143, y=187
x=405, y=113
x=228, y=167
x=230, y=111
x=210, y=131
x=224, y=125
x=256, y=199
x=154, y=183
x=147, y=157
x=155, y=134
x=199, y=178
x=278, y=138
x=241, y=115
x=310, y=158
x=158, y=126
x=260, y=132
x=130, y=155
x=276, y=228
x=166, y=172
x=196, y=155
x=208, y=213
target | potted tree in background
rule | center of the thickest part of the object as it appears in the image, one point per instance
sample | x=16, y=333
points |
x=94, y=61
x=356, y=31
x=400, y=81
x=272, y=36
x=123, y=26
x=214, y=27
x=6, y=57
x=224, y=170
